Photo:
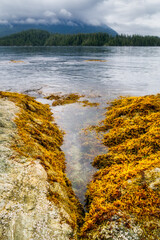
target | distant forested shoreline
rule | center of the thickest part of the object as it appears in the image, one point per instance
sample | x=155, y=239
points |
x=43, y=38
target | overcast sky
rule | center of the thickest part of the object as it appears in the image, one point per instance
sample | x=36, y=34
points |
x=124, y=16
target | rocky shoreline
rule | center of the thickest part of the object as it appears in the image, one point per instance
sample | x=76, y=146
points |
x=37, y=200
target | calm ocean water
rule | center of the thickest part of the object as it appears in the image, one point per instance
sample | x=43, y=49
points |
x=44, y=70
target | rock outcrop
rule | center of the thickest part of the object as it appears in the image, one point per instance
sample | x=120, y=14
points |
x=36, y=198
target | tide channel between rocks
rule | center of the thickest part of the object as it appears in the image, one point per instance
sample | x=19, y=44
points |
x=122, y=200
x=75, y=113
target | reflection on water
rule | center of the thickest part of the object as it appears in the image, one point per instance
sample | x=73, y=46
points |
x=40, y=71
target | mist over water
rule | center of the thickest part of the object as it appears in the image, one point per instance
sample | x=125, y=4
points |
x=45, y=70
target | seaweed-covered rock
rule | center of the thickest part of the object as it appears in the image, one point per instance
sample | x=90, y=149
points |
x=37, y=201
x=123, y=199
x=36, y=198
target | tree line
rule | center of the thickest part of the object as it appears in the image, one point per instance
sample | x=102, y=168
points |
x=44, y=38
x=33, y=37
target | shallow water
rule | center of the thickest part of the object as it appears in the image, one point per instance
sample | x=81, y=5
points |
x=45, y=70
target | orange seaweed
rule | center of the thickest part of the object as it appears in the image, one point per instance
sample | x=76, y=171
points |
x=39, y=138
x=123, y=185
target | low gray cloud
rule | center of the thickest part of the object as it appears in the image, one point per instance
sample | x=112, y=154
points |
x=125, y=16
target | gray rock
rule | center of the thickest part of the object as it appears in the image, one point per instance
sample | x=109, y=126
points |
x=25, y=211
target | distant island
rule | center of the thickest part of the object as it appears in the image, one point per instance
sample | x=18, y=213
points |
x=36, y=37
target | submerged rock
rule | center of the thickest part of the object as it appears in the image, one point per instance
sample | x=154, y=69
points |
x=60, y=99
x=36, y=199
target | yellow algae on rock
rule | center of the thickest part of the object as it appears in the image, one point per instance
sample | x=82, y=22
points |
x=64, y=99
x=16, y=61
x=86, y=103
x=95, y=60
x=123, y=200
x=69, y=99
x=40, y=203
